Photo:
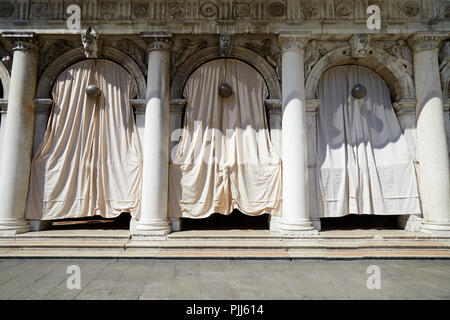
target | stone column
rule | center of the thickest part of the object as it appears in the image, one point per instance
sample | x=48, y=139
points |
x=295, y=212
x=18, y=135
x=432, y=153
x=153, y=217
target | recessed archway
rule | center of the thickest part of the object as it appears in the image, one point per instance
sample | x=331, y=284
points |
x=400, y=83
x=73, y=56
x=239, y=53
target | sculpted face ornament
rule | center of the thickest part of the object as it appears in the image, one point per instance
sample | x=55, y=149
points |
x=225, y=90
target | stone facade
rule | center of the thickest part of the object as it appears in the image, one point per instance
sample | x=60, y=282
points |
x=290, y=42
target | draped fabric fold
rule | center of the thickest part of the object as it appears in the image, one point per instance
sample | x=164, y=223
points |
x=225, y=159
x=363, y=164
x=90, y=161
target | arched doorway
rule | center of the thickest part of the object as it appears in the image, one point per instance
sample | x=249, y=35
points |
x=225, y=160
x=90, y=162
x=363, y=164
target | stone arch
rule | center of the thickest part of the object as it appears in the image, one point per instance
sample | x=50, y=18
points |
x=5, y=79
x=239, y=53
x=73, y=56
x=400, y=83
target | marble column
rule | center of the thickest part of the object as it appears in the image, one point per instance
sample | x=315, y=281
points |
x=295, y=208
x=18, y=134
x=432, y=153
x=153, y=216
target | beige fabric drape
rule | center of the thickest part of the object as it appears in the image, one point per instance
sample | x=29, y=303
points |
x=90, y=161
x=364, y=166
x=225, y=159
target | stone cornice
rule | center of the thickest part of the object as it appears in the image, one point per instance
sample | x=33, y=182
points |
x=405, y=106
x=426, y=40
x=158, y=40
x=23, y=40
x=289, y=41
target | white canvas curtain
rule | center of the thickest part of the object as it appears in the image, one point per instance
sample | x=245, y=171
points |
x=225, y=159
x=90, y=161
x=363, y=163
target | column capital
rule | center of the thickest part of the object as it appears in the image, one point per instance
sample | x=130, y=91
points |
x=23, y=40
x=293, y=40
x=426, y=40
x=158, y=40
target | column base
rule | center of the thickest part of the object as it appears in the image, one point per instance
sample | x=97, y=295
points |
x=154, y=227
x=297, y=228
x=436, y=229
x=11, y=227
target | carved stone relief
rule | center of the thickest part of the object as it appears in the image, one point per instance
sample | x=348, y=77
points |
x=225, y=44
x=107, y=10
x=411, y=9
x=209, y=10
x=276, y=9
x=266, y=51
x=241, y=10
x=313, y=53
x=403, y=53
x=52, y=53
x=176, y=10
x=444, y=68
x=141, y=9
x=89, y=40
x=359, y=44
x=129, y=47
x=310, y=9
x=6, y=9
x=343, y=9
x=186, y=49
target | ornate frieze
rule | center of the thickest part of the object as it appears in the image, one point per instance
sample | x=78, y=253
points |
x=183, y=11
x=426, y=40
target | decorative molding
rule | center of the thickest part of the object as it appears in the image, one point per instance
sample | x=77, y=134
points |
x=411, y=9
x=426, y=40
x=405, y=106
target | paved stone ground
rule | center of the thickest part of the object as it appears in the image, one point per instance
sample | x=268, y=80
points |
x=214, y=279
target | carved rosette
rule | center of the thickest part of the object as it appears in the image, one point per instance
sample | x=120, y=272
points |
x=426, y=41
x=23, y=41
x=293, y=41
x=158, y=41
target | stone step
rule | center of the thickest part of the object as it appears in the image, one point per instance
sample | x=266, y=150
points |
x=230, y=244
